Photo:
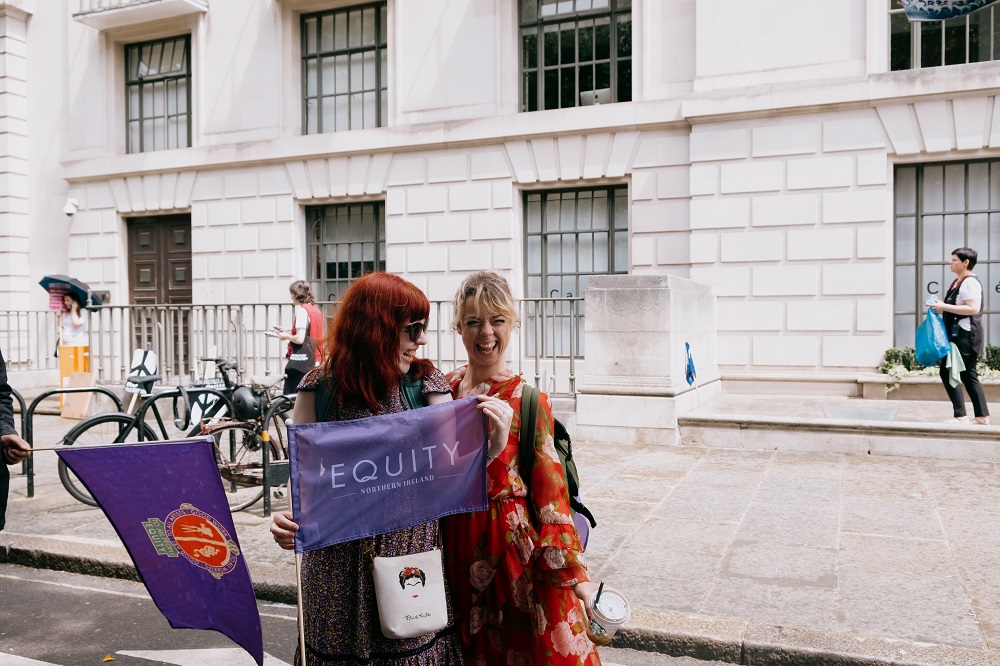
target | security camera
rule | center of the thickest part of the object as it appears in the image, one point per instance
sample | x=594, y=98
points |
x=72, y=205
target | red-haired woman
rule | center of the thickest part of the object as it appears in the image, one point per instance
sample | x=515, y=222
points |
x=371, y=345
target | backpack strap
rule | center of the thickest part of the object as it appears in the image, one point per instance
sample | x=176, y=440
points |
x=526, y=437
x=323, y=401
x=412, y=391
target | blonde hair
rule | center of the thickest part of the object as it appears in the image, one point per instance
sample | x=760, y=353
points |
x=487, y=290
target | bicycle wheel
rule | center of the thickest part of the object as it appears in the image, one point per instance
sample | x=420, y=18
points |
x=277, y=429
x=100, y=429
x=238, y=454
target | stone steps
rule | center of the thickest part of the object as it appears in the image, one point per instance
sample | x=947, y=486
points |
x=825, y=435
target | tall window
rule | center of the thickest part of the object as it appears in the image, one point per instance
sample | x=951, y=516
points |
x=158, y=94
x=345, y=242
x=344, y=70
x=941, y=207
x=971, y=38
x=575, y=53
x=569, y=236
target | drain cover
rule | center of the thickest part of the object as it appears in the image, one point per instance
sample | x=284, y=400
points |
x=861, y=413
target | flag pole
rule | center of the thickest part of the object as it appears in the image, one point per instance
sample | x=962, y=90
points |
x=298, y=590
x=151, y=442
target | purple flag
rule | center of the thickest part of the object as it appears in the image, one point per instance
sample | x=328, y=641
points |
x=166, y=501
x=352, y=479
x=940, y=10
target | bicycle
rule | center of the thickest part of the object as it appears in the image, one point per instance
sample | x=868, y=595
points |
x=239, y=444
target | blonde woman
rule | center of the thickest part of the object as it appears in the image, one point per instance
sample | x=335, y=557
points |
x=515, y=570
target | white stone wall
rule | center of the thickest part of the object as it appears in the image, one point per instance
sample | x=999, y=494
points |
x=758, y=152
x=14, y=226
x=791, y=220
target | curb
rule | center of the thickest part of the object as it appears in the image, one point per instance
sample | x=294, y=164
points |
x=666, y=632
x=98, y=558
x=752, y=644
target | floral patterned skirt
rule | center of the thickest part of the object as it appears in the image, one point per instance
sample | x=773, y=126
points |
x=341, y=616
x=506, y=614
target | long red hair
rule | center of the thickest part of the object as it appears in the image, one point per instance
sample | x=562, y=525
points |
x=363, y=340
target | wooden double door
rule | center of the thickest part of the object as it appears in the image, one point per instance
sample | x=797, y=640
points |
x=159, y=250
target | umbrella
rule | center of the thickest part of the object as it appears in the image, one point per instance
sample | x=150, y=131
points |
x=81, y=289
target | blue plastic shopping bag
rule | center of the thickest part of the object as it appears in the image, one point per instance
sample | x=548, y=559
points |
x=932, y=340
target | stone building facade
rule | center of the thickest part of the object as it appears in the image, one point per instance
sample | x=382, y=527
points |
x=781, y=152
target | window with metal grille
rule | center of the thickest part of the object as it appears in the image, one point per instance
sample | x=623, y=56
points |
x=974, y=37
x=344, y=69
x=575, y=53
x=569, y=236
x=941, y=207
x=158, y=94
x=345, y=242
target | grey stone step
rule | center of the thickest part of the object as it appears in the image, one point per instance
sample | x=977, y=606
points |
x=895, y=438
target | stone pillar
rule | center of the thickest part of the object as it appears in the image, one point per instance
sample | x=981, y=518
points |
x=14, y=226
x=634, y=383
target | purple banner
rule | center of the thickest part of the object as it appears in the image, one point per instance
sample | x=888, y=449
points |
x=352, y=479
x=166, y=502
x=940, y=10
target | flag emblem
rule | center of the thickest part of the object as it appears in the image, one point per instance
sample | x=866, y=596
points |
x=196, y=536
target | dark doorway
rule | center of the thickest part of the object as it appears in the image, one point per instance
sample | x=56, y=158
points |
x=160, y=274
x=160, y=260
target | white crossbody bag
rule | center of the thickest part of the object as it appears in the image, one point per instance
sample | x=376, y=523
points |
x=409, y=590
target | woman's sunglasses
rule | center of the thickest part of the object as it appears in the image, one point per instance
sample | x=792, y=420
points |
x=415, y=330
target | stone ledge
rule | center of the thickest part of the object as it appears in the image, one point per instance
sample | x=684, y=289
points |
x=857, y=437
x=744, y=642
x=875, y=387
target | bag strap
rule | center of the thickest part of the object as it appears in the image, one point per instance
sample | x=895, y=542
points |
x=526, y=437
x=323, y=401
x=410, y=388
x=412, y=391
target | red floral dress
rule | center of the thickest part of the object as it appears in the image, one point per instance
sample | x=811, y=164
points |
x=512, y=570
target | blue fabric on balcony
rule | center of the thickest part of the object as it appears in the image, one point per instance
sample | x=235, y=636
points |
x=939, y=10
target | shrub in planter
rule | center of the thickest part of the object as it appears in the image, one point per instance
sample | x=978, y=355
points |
x=903, y=360
x=992, y=357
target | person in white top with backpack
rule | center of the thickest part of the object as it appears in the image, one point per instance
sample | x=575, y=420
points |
x=962, y=311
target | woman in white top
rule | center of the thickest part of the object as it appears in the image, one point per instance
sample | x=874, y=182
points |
x=73, y=322
x=309, y=321
x=962, y=311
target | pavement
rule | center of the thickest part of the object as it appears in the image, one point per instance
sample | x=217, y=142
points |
x=745, y=556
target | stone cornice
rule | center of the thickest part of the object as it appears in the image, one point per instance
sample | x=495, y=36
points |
x=21, y=9
x=868, y=92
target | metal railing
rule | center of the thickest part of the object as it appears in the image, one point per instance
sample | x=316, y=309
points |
x=548, y=348
x=29, y=339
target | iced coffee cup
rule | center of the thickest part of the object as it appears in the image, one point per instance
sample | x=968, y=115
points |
x=611, y=611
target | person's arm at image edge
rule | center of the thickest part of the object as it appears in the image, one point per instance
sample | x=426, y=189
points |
x=15, y=449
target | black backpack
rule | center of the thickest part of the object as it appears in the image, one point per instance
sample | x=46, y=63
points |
x=564, y=447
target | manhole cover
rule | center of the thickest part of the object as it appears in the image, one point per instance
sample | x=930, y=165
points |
x=861, y=413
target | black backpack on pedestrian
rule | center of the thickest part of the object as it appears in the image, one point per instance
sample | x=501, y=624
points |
x=564, y=447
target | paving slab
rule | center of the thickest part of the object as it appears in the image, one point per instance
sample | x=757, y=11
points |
x=745, y=556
